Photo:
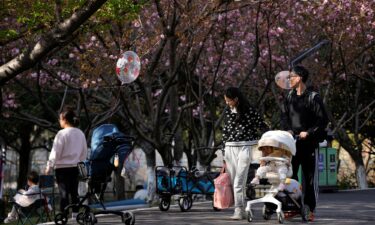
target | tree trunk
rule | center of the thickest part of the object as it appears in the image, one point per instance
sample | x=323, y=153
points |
x=355, y=152
x=24, y=154
x=151, y=179
x=361, y=175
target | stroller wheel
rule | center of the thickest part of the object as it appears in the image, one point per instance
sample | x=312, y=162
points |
x=61, y=219
x=305, y=210
x=250, y=216
x=280, y=217
x=190, y=199
x=184, y=204
x=267, y=214
x=80, y=218
x=164, y=204
x=90, y=219
x=129, y=218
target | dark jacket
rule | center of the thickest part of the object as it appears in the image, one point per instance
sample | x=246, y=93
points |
x=301, y=114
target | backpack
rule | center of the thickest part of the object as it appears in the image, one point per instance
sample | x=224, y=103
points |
x=320, y=134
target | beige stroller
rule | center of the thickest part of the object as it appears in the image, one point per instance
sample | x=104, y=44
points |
x=284, y=194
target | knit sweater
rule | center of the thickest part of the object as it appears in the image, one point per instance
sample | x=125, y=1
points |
x=69, y=148
x=247, y=128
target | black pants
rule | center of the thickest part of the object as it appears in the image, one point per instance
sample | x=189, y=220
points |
x=307, y=156
x=67, y=181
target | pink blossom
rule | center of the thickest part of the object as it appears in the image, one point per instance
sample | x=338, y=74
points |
x=14, y=51
x=157, y=93
x=53, y=62
x=137, y=23
x=342, y=76
x=289, y=23
x=280, y=30
x=85, y=84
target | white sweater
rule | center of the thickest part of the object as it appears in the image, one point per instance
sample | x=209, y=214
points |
x=69, y=148
x=26, y=198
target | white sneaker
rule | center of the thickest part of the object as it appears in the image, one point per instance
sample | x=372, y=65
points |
x=10, y=219
x=239, y=214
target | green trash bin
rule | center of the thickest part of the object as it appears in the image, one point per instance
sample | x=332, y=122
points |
x=327, y=169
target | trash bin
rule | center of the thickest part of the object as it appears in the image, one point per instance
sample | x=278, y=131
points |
x=327, y=168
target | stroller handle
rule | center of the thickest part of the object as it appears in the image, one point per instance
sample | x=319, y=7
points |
x=270, y=158
x=127, y=137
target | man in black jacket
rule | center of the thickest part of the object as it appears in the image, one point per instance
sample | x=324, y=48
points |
x=304, y=117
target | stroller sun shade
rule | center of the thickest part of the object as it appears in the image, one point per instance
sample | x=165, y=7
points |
x=107, y=141
x=280, y=139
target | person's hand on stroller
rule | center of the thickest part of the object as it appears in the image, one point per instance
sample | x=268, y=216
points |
x=255, y=181
x=47, y=170
x=303, y=135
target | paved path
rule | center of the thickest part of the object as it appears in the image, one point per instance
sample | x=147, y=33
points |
x=341, y=208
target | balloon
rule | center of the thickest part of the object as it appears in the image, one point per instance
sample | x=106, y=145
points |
x=128, y=67
x=282, y=79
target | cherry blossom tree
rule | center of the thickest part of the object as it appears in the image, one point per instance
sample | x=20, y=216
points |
x=190, y=52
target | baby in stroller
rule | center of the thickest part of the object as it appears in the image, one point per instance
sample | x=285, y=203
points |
x=278, y=158
x=284, y=194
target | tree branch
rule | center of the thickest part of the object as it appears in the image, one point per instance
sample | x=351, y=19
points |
x=49, y=41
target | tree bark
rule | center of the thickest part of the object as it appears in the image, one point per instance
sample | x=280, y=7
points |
x=24, y=154
x=151, y=179
x=361, y=176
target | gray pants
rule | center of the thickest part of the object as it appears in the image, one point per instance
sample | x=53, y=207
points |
x=238, y=158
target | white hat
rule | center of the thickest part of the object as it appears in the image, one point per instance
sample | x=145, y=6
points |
x=279, y=139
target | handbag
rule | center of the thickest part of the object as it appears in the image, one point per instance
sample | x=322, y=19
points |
x=223, y=195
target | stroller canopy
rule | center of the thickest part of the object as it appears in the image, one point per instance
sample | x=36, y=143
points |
x=280, y=139
x=107, y=143
x=100, y=132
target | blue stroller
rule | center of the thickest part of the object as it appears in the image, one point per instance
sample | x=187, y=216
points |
x=109, y=148
x=177, y=180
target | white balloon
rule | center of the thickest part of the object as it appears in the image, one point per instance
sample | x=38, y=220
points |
x=282, y=79
x=128, y=67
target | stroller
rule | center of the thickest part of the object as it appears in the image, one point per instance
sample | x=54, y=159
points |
x=279, y=200
x=172, y=180
x=177, y=180
x=109, y=148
